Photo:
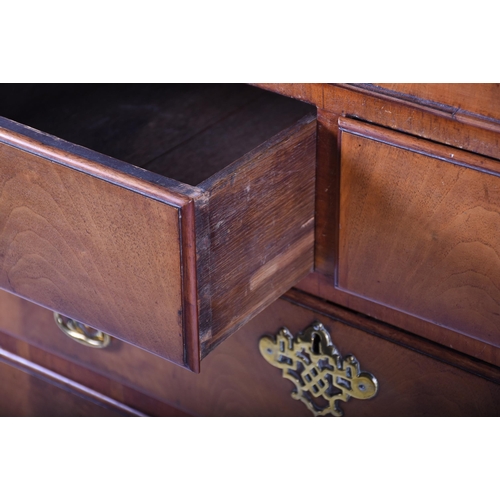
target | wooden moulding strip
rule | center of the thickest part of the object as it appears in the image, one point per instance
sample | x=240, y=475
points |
x=464, y=116
x=395, y=335
x=98, y=165
x=65, y=383
x=189, y=287
x=420, y=146
x=319, y=94
x=340, y=98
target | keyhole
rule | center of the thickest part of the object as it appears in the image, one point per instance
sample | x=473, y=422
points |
x=315, y=344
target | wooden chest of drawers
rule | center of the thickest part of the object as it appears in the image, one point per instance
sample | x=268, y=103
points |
x=383, y=214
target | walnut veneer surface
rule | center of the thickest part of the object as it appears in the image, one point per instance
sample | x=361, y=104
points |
x=403, y=219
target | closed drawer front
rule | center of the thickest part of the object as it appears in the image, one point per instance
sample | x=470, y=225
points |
x=415, y=377
x=419, y=230
x=413, y=236
x=174, y=256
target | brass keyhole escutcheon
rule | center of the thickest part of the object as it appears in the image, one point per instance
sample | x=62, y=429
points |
x=82, y=333
x=322, y=377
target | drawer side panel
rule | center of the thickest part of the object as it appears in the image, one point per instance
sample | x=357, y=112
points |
x=261, y=228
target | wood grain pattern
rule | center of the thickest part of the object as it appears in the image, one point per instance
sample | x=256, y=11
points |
x=226, y=141
x=185, y=132
x=395, y=335
x=143, y=243
x=98, y=165
x=417, y=145
x=417, y=117
x=64, y=367
x=85, y=248
x=479, y=98
x=135, y=123
x=327, y=194
x=410, y=384
x=441, y=124
x=416, y=377
x=28, y=390
x=323, y=286
x=261, y=227
x=419, y=233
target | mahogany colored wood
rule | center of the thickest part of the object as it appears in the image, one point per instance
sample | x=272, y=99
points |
x=230, y=138
x=262, y=228
x=185, y=132
x=66, y=242
x=416, y=376
x=443, y=124
x=323, y=286
x=482, y=99
x=410, y=384
x=395, y=335
x=201, y=394
x=417, y=354
x=430, y=220
x=81, y=375
x=446, y=153
x=146, y=258
x=417, y=117
x=420, y=229
x=30, y=390
x=327, y=193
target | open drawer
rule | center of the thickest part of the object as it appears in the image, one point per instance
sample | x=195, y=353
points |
x=172, y=255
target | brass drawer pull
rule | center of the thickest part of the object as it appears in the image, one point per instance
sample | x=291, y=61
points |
x=317, y=369
x=82, y=333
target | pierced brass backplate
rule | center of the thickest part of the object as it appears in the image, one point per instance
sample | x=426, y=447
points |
x=322, y=377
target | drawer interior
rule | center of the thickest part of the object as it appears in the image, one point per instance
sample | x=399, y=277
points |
x=186, y=132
